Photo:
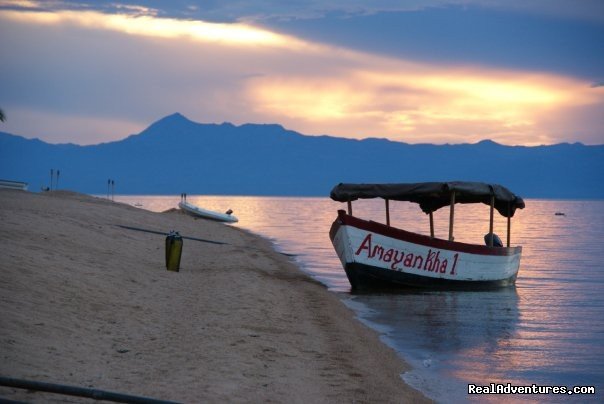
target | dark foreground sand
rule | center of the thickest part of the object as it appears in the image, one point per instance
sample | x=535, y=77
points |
x=84, y=302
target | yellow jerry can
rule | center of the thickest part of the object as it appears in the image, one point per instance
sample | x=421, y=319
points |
x=173, y=251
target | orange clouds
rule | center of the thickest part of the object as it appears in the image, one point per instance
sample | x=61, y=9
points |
x=418, y=103
x=146, y=24
x=241, y=73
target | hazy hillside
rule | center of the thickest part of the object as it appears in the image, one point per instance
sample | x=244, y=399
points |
x=176, y=155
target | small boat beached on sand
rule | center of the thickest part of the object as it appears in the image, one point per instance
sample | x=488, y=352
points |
x=13, y=185
x=379, y=255
x=207, y=214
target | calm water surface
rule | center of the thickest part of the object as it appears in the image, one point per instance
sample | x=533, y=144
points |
x=548, y=330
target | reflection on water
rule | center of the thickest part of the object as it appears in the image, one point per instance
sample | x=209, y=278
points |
x=443, y=333
x=548, y=330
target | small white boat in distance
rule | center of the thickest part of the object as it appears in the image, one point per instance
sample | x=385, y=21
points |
x=207, y=214
x=13, y=185
x=377, y=255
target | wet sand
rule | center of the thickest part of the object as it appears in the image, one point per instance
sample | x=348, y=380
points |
x=85, y=302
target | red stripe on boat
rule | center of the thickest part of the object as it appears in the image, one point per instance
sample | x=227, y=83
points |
x=393, y=232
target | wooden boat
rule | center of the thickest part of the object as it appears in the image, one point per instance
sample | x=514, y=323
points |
x=207, y=214
x=379, y=255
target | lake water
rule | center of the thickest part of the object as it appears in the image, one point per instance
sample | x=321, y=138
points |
x=548, y=330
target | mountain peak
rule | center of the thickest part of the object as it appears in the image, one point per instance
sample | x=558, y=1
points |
x=176, y=117
x=175, y=121
x=488, y=142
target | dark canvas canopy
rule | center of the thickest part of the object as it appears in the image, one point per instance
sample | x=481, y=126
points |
x=432, y=196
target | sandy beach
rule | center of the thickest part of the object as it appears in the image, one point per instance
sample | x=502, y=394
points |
x=88, y=303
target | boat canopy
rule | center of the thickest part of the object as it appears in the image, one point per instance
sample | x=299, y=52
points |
x=432, y=196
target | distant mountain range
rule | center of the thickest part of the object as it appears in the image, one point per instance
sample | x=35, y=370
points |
x=176, y=155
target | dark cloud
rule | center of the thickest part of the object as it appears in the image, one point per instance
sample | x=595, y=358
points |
x=230, y=11
x=463, y=36
x=512, y=34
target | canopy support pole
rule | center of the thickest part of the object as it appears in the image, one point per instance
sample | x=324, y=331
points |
x=509, y=226
x=431, y=225
x=491, y=236
x=350, y=208
x=387, y=212
x=451, y=216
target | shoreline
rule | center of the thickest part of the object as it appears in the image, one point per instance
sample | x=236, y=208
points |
x=90, y=304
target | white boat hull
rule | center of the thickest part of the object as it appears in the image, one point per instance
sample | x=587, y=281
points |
x=207, y=214
x=13, y=185
x=377, y=255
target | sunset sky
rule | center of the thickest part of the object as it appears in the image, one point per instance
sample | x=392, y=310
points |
x=517, y=72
